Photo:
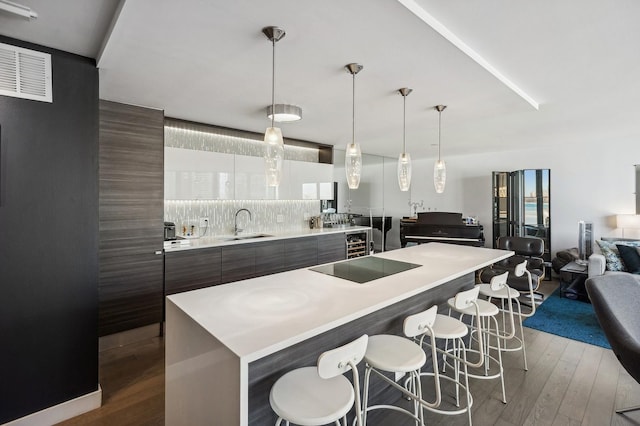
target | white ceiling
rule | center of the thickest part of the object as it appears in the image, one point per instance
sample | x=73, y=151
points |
x=208, y=61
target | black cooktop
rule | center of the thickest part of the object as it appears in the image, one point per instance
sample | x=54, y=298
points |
x=364, y=269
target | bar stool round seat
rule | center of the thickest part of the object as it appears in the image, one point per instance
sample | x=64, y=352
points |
x=487, y=309
x=451, y=330
x=313, y=396
x=303, y=398
x=447, y=327
x=499, y=289
x=394, y=353
x=488, y=313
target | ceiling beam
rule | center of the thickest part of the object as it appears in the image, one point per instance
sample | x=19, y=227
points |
x=428, y=19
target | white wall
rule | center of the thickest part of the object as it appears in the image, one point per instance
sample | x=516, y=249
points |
x=590, y=183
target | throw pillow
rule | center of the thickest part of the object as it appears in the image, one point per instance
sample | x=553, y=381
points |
x=611, y=254
x=630, y=257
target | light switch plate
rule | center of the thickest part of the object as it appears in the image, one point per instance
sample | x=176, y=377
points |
x=280, y=218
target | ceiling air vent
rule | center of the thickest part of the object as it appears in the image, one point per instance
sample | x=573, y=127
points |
x=25, y=73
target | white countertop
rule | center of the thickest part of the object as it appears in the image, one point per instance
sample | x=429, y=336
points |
x=259, y=316
x=226, y=240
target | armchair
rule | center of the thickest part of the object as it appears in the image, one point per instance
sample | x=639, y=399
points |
x=525, y=248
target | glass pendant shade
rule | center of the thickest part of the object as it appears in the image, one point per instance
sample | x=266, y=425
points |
x=404, y=171
x=439, y=169
x=353, y=165
x=439, y=176
x=274, y=155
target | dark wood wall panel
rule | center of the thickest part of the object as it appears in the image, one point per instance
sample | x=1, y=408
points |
x=269, y=257
x=331, y=248
x=264, y=372
x=300, y=252
x=238, y=263
x=131, y=216
x=192, y=269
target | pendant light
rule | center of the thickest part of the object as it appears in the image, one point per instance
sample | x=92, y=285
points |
x=353, y=154
x=274, y=150
x=404, y=160
x=439, y=169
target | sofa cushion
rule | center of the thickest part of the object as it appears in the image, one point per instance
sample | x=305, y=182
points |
x=630, y=258
x=612, y=255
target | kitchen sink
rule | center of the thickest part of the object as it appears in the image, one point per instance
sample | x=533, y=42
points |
x=245, y=237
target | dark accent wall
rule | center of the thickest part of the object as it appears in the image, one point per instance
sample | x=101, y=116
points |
x=49, y=240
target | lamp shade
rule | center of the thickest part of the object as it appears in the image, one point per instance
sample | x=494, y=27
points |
x=353, y=165
x=274, y=155
x=628, y=221
x=404, y=171
x=439, y=176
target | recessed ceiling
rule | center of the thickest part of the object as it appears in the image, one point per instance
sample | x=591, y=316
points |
x=208, y=61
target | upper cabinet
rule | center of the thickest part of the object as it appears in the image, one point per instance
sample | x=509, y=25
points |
x=204, y=175
x=198, y=175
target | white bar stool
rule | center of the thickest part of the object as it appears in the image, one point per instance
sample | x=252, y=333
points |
x=396, y=354
x=499, y=289
x=486, y=327
x=454, y=330
x=312, y=396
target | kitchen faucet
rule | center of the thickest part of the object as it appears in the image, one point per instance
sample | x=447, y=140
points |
x=235, y=226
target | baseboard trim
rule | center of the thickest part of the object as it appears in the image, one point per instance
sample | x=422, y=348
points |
x=61, y=412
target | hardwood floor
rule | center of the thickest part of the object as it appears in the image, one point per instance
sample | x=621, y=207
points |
x=568, y=383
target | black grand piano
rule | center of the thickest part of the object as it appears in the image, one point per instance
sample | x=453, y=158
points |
x=443, y=227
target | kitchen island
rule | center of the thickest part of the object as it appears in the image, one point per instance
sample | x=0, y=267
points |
x=226, y=345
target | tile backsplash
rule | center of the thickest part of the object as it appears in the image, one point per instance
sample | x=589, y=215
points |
x=266, y=215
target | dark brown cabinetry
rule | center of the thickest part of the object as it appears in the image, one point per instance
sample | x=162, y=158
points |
x=269, y=257
x=131, y=155
x=198, y=268
x=238, y=263
x=192, y=269
x=301, y=252
x=331, y=248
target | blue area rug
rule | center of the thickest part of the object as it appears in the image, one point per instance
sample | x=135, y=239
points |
x=568, y=318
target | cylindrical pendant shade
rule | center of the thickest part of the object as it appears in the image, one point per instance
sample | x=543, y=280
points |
x=274, y=155
x=439, y=176
x=404, y=171
x=353, y=165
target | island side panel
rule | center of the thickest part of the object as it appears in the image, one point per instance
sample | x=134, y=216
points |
x=202, y=376
x=264, y=372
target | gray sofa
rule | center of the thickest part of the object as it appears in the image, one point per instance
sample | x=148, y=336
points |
x=598, y=262
x=615, y=302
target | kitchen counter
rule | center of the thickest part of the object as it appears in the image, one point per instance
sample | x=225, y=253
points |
x=237, y=337
x=227, y=240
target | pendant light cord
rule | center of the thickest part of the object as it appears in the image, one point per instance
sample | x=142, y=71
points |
x=439, y=130
x=404, y=123
x=353, y=121
x=273, y=81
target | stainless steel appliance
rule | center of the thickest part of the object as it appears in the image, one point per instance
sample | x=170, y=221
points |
x=169, y=231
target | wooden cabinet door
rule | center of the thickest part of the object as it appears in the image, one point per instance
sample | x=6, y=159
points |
x=238, y=262
x=192, y=269
x=131, y=152
x=269, y=257
x=331, y=248
x=300, y=252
